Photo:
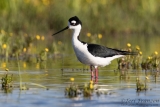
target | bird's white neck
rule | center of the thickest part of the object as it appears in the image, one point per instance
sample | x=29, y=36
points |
x=76, y=32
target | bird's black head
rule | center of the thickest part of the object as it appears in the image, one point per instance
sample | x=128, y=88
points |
x=74, y=21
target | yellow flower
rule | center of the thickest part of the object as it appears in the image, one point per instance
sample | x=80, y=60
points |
x=89, y=34
x=137, y=47
x=149, y=57
x=147, y=77
x=156, y=53
x=59, y=42
x=37, y=37
x=91, y=86
x=24, y=65
x=4, y=65
x=140, y=52
x=46, y=49
x=6, y=69
x=42, y=37
x=72, y=79
x=128, y=44
x=100, y=36
x=137, y=78
x=4, y=46
x=24, y=49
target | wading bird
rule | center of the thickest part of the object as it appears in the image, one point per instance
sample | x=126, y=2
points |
x=93, y=55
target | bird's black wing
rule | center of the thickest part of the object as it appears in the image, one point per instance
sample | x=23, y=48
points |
x=102, y=51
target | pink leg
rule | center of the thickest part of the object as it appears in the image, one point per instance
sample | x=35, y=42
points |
x=92, y=74
x=96, y=74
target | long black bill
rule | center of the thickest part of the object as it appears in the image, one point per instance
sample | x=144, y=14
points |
x=61, y=30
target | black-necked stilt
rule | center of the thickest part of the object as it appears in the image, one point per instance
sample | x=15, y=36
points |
x=91, y=54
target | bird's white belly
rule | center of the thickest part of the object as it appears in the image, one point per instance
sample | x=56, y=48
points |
x=87, y=58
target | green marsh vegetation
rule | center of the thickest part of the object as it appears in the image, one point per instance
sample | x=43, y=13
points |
x=7, y=80
x=27, y=26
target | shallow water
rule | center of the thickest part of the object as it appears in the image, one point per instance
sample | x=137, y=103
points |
x=119, y=87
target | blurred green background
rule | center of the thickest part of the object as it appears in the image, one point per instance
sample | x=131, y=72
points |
x=27, y=25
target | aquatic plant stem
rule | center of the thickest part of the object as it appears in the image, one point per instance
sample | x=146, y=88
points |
x=20, y=79
x=38, y=85
x=6, y=55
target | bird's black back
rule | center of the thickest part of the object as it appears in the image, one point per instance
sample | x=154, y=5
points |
x=102, y=51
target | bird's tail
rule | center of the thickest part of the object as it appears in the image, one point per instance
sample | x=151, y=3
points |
x=128, y=53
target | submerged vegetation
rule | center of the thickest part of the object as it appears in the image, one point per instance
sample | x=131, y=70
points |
x=7, y=80
x=73, y=90
x=138, y=63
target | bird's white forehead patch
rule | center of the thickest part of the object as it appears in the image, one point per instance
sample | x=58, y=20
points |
x=73, y=21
